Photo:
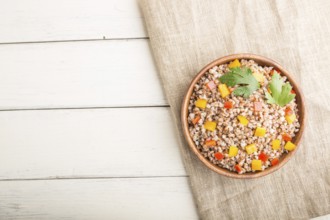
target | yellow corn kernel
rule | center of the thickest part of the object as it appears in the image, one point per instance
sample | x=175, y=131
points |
x=210, y=125
x=259, y=77
x=242, y=120
x=251, y=148
x=289, y=146
x=269, y=91
x=260, y=132
x=256, y=165
x=290, y=118
x=276, y=144
x=233, y=150
x=201, y=103
x=223, y=89
x=234, y=64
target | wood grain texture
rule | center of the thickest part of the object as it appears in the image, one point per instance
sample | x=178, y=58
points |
x=78, y=74
x=88, y=143
x=47, y=20
x=132, y=198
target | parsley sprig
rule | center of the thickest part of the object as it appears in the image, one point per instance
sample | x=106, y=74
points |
x=241, y=76
x=281, y=92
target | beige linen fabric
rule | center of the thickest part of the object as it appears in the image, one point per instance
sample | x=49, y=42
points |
x=185, y=35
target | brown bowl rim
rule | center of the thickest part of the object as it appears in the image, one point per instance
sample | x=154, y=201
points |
x=261, y=60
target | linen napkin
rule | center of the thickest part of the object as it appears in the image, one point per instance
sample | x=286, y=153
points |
x=185, y=35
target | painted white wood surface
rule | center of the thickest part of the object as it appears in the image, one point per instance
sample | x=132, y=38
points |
x=78, y=74
x=116, y=142
x=49, y=20
x=125, y=198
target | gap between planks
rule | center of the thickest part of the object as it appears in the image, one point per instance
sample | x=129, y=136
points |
x=92, y=178
x=83, y=108
x=79, y=40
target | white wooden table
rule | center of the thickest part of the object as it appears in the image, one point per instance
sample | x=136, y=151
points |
x=84, y=135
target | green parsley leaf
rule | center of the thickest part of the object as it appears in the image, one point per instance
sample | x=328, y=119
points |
x=281, y=92
x=242, y=77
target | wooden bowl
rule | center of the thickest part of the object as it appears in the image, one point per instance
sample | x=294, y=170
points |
x=261, y=61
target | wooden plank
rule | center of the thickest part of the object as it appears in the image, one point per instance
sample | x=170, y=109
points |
x=78, y=74
x=145, y=198
x=131, y=198
x=129, y=142
x=47, y=20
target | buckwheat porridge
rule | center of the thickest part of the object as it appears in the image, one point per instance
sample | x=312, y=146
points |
x=242, y=116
